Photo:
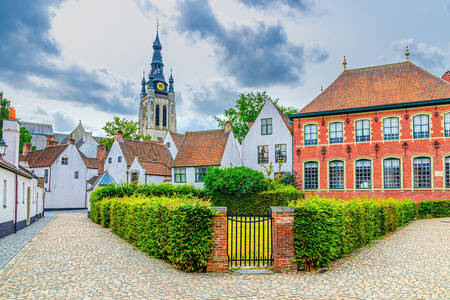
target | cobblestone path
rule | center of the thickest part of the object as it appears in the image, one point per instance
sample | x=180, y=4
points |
x=72, y=258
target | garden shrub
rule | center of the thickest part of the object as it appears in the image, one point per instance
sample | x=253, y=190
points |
x=176, y=229
x=327, y=229
x=288, y=178
x=433, y=209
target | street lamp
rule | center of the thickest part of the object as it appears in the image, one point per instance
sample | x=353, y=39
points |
x=2, y=148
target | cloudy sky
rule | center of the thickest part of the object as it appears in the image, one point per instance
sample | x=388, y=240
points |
x=65, y=61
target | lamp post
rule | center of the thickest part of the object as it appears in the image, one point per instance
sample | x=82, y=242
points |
x=2, y=148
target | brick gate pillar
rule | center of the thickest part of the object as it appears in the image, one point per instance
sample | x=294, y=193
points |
x=283, y=239
x=219, y=259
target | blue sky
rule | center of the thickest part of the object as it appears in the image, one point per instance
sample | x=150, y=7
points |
x=64, y=61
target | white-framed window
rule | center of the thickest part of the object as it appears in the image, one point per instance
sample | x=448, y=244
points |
x=447, y=124
x=336, y=133
x=421, y=127
x=392, y=173
x=180, y=175
x=362, y=131
x=64, y=160
x=5, y=193
x=46, y=175
x=134, y=177
x=119, y=159
x=336, y=175
x=363, y=174
x=311, y=175
x=263, y=154
x=422, y=172
x=311, y=134
x=266, y=126
x=280, y=153
x=109, y=160
x=75, y=174
x=200, y=173
x=168, y=145
x=391, y=129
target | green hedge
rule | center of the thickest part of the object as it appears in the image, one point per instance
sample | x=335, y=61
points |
x=147, y=190
x=433, y=209
x=327, y=229
x=176, y=229
x=258, y=203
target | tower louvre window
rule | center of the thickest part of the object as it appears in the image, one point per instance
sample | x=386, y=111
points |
x=164, y=116
x=157, y=115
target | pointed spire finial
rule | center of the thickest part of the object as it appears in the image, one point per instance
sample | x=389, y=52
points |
x=345, y=63
x=157, y=25
x=321, y=88
x=407, y=53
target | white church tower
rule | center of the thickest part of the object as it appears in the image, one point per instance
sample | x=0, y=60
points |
x=157, y=113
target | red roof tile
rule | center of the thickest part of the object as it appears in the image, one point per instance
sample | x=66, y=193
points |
x=21, y=171
x=380, y=85
x=91, y=163
x=145, y=151
x=201, y=148
x=44, y=157
x=177, y=138
x=284, y=118
x=155, y=168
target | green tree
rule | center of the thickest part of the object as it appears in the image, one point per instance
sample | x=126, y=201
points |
x=25, y=137
x=246, y=110
x=128, y=128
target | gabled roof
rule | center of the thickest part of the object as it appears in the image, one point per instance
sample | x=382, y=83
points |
x=144, y=151
x=400, y=83
x=202, y=148
x=155, y=168
x=177, y=138
x=44, y=157
x=285, y=118
x=91, y=163
x=101, y=180
x=38, y=128
x=21, y=171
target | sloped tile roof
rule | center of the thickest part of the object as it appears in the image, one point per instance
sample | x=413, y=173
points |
x=145, y=151
x=177, y=138
x=21, y=170
x=284, y=118
x=155, y=168
x=44, y=157
x=38, y=128
x=380, y=85
x=201, y=148
x=91, y=163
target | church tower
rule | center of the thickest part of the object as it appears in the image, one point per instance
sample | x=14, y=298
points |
x=157, y=114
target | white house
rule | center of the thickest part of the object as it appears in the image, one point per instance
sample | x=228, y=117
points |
x=202, y=149
x=144, y=171
x=65, y=170
x=123, y=153
x=21, y=197
x=173, y=142
x=88, y=145
x=269, y=140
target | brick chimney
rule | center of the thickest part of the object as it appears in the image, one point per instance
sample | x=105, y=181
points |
x=101, y=152
x=118, y=136
x=27, y=147
x=51, y=142
x=446, y=76
x=71, y=140
x=250, y=124
x=228, y=127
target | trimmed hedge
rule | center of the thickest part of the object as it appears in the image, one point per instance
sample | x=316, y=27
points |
x=328, y=229
x=147, y=190
x=176, y=229
x=258, y=203
x=433, y=209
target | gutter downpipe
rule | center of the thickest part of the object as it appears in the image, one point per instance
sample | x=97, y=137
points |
x=15, y=210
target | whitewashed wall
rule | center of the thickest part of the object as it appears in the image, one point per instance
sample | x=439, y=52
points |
x=118, y=171
x=89, y=147
x=232, y=153
x=280, y=135
x=190, y=177
x=173, y=148
x=154, y=179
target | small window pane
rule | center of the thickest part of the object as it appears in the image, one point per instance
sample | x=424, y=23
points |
x=363, y=131
x=392, y=173
x=180, y=175
x=421, y=127
x=447, y=124
x=64, y=161
x=311, y=134
x=391, y=129
x=75, y=175
x=280, y=153
x=263, y=154
x=200, y=174
x=311, y=172
x=266, y=126
x=336, y=133
x=447, y=172
x=422, y=172
x=336, y=174
x=363, y=174
x=119, y=159
x=110, y=160
x=134, y=177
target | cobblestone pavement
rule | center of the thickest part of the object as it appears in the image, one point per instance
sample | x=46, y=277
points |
x=73, y=258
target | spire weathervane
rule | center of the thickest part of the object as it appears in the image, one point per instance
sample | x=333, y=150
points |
x=407, y=53
x=321, y=88
x=345, y=63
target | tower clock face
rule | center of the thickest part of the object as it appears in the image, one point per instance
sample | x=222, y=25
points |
x=160, y=86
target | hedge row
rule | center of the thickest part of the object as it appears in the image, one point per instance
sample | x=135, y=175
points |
x=176, y=229
x=281, y=195
x=433, y=209
x=147, y=190
x=327, y=229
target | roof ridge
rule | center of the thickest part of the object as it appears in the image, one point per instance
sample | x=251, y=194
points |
x=379, y=66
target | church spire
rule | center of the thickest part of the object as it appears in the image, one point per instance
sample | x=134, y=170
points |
x=143, y=91
x=156, y=76
x=171, y=88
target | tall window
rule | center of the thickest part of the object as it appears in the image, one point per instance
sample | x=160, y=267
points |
x=363, y=174
x=363, y=131
x=23, y=193
x=134, y=177
x=180, y=175
x=422, y=172
x=157, y=115
x=336, y=174
x=390, y=128
x=266, y=126
x=311, y=173
x=263, y=154
x=311, y=134
x=5, y=193
x=447, y=172
x=109, y=160
x=46, y=175
x=64, y=161
x=164, y=116
x=447, y=124
x=336, y=133
x=200, y=173
x=392, y=173
x=119, y=159
x=280, y=153
x=421, y=126
x=75, y=175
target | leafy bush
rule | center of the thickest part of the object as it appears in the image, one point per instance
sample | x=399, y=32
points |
x=176, y=229
x=280, y=195
x=327, y=229
x=147, y=190
x=433, y=209
x=237, y=181
x=288, y=178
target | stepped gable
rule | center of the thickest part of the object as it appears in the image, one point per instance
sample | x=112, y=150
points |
x=145, y=151
x=44, y=157
x=380, y=85
x=202, y=148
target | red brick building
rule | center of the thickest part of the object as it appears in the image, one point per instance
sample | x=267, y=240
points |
x=381, y=131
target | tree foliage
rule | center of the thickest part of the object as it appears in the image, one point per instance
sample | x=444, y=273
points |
x=246, y=110
x=128, y=128
x=25, y=137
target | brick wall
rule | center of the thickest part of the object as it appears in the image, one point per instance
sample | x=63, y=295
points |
x=219, y=259
x=283, y=239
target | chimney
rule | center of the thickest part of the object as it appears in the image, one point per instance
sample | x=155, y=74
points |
x=228, y=127
x=27, y=147
x=71, y=140
x=446, y=76
x=250, y=124
x=118, y=136
x=51, y=142
x=101, y=152
x=11, y=136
